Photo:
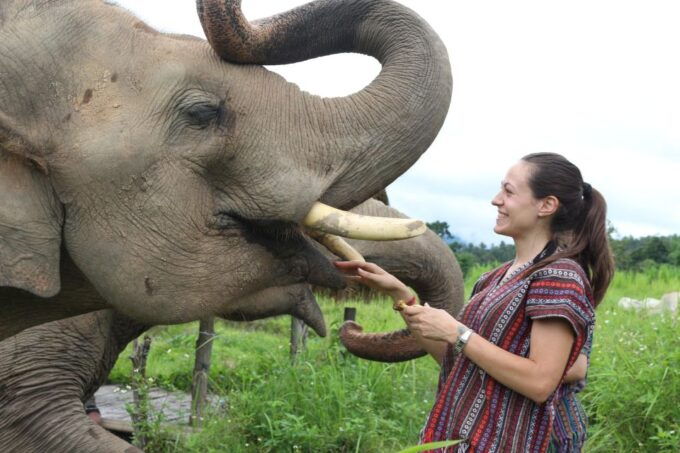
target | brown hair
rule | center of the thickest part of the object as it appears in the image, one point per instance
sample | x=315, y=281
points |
x=579, y=225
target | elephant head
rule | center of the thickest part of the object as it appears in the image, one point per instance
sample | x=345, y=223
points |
x=176, y=173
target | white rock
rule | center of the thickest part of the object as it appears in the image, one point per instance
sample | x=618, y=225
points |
x=670, y=301
x=652, y=306
x=629, y=304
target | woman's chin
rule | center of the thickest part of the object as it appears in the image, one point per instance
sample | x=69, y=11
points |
x=498, y=229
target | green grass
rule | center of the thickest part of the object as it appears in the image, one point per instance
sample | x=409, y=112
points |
x=633, y=393
x=332, y=402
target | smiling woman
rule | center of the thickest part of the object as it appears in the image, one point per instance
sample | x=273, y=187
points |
x=507, y=360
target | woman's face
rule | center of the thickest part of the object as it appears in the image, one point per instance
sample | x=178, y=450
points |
x=518, y=210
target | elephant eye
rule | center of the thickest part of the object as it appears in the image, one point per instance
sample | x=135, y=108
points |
x=196, y=110
x=202, y=114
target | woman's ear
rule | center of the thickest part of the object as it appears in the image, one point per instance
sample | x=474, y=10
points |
x=548, y=206
x=31, y=217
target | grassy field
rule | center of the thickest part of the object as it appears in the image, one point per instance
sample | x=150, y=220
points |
x=332, y=402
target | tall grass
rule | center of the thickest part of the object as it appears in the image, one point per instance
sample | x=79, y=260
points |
x=333, y=402
x=633, y=393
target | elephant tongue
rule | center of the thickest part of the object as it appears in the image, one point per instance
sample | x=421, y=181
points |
x=307, y=309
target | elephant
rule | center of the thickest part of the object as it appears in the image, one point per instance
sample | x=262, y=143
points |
x=172, y=178
x=48, y=371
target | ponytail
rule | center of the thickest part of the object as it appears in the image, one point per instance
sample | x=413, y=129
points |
x=590, y=245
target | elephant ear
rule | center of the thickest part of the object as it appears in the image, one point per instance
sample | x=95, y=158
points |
x=30, y=218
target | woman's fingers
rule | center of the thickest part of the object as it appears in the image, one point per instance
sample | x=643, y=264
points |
x=413, y=310
x=372, y=267
x=373, y=276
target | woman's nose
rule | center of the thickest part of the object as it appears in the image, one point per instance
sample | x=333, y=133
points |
x=496, y=201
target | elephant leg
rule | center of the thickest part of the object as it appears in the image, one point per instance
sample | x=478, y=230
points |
x=46, y=372
x=56, y=424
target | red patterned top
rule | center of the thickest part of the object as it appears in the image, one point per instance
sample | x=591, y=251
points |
x=473, y=406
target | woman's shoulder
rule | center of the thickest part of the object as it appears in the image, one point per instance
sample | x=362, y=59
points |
x=563, y=268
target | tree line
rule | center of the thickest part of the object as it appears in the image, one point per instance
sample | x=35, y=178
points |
x=630, y=253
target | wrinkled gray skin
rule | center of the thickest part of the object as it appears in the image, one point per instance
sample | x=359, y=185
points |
x=142, y=172
x=46, y=372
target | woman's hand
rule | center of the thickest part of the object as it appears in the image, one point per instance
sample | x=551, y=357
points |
x=375, y=277
x=432, y=323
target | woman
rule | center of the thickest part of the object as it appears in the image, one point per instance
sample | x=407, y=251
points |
x=503, y=361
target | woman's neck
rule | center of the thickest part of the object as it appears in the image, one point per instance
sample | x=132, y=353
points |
x=526, y=248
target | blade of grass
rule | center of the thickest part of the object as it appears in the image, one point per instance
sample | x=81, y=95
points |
x=430, y=446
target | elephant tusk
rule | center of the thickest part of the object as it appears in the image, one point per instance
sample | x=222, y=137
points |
x=337, y=246
x=328, y=219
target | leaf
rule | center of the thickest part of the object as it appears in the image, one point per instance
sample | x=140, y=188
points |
x=430, y=446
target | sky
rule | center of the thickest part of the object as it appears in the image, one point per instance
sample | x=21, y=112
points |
x=597, y=81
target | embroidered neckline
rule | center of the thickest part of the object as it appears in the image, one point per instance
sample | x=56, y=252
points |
x=510, y=276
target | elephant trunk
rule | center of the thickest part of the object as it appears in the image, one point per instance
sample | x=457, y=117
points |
x=428, y=267
x=381, y=130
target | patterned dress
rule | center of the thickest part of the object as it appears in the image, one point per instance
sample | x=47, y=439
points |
x=470, y=404
x=570, y=424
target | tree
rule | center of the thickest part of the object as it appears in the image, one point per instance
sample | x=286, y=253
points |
x=441, y=229
x=656, y=250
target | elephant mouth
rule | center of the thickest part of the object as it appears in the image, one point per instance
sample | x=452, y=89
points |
x=299, y=244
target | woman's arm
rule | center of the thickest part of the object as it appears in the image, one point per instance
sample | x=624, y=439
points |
x=535, y=377
x=578, y=370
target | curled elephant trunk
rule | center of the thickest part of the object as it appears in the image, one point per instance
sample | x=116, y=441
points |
x=370, y=137
x=424, y=263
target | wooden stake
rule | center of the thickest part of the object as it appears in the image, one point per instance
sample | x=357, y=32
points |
x=199, y=384
x=298, y=337
x=140, y=400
